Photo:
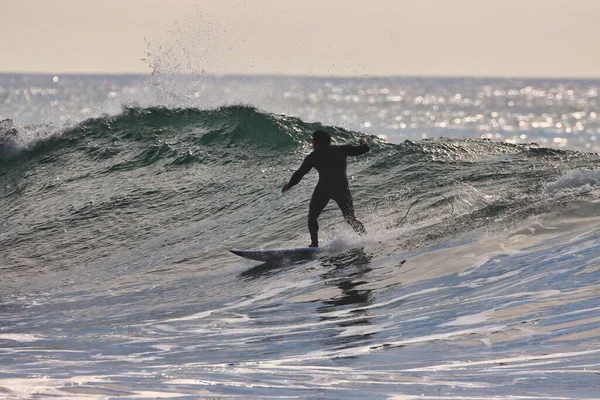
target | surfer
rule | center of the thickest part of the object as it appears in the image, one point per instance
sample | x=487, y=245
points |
x=330, y=161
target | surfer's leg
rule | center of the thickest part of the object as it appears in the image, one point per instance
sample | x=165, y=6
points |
x=344, y=201
x=318, y=202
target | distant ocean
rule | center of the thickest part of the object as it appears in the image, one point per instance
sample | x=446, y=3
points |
x=120, y=197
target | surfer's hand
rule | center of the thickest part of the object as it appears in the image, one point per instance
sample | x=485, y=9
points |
x=363, y=140
x=286, y=187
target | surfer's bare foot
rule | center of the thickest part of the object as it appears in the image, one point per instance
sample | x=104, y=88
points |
x=313, y=245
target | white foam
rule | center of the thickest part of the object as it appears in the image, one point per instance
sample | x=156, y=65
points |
x=20, y=337
x=575, y=180
x=499, y=361
x=470, y=319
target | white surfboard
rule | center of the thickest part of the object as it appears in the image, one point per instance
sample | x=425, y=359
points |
x=300, y=253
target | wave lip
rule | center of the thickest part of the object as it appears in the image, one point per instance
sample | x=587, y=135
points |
x=8, y=136
x=177, y=135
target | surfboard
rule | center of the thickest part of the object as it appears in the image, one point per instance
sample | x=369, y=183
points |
x=300, y=253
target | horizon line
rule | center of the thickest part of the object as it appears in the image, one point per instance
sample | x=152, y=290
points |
x=318, y=76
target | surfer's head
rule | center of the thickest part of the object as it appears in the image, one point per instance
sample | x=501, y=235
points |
x=320, y=139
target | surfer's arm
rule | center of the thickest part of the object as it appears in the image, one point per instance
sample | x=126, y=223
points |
x=297, y=176
x=362, y=148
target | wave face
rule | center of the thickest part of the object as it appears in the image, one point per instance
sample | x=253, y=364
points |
x=166, y=164
x=478, y=274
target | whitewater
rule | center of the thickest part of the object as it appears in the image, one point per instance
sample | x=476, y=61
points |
x=120, y=197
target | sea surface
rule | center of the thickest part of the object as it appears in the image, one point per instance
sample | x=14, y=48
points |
x=120, y=196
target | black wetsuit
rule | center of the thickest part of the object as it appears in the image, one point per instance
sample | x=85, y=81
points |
x=330, y=161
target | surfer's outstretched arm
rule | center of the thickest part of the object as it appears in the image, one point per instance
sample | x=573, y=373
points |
x=362, y=148
x=297, y=176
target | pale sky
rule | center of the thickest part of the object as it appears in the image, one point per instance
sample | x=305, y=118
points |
x=526, y=38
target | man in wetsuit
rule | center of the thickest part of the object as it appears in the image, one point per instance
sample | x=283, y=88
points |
x=330, y=161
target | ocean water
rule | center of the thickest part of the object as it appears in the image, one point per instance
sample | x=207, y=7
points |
x=121, y=196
